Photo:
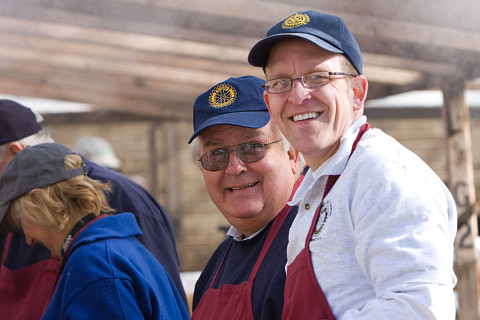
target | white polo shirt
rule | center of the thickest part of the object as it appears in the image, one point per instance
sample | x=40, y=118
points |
x=385, y=249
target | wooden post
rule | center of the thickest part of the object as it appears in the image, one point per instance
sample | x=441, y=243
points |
x=461, y=184
x=152, y=138
x=174, y=172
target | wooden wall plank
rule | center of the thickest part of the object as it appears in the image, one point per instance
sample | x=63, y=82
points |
x=462, y=186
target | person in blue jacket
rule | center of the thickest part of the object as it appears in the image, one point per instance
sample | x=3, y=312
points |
x=105, y=272
x=28, y=272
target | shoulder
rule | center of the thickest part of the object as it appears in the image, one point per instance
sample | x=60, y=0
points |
x=126, y=195
x=381, y=153
x=381, y=167
x=106, y=175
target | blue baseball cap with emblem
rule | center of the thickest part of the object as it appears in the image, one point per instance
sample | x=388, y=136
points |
x=326, y=31
x=235, y=101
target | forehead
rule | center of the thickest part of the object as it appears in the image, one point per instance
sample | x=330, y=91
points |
x=289, y=51
x=229, y=134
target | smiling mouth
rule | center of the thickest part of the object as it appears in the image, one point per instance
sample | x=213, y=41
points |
x=243, y=187
x=306, y=116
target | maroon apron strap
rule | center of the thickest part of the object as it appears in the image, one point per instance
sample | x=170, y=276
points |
x=364, y=128
x=235, y=301
x=6, y=248
x=276, y=226
x=221, y=263
x=304, y=298
x=332, y=179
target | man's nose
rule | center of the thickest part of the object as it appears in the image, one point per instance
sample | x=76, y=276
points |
x=235, y=165
x=299, y=92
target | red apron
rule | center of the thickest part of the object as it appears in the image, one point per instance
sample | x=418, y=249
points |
x=304, y=299
x=23, y=293
x=234, y=301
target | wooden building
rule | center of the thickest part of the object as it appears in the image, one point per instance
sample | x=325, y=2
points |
x=159, y=153
x=139, y=65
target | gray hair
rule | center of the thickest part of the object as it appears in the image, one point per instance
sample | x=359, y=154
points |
x=40, y=137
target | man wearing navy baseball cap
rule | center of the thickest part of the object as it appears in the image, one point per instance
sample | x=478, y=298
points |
x=250, y=171
x=373, y=238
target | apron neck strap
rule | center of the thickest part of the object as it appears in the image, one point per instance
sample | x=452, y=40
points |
x=77, y=227
x=6, y=247
x=332, y=179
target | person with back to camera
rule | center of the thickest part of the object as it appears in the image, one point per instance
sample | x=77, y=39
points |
x=105, y=272
x=373, y=238
x=28, y=272
x=249, y=170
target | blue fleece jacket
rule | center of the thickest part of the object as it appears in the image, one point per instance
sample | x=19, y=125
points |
x=28, y=272
x=109, y=274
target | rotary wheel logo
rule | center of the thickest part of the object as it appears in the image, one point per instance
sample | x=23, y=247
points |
x=296, y=20
x=222, y=95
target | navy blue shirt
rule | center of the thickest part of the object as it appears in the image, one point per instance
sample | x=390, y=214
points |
x=268, y=286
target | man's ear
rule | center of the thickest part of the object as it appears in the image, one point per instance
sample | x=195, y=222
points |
x=293, y=155
x=360, y=89
x=266, y=98
x=14, y=148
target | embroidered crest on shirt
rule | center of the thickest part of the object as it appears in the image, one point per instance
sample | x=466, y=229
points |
x=296, y=20
x=222, y=95
x=323, y=216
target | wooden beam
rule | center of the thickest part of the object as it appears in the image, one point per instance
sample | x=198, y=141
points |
x=431, y=12
x=160, y=107
x=441, y=23
x=171, y=51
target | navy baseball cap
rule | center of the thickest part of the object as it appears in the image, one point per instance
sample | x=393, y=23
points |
x=236, y=101
x=34, y=167
x=16, y=121
x=326, y=31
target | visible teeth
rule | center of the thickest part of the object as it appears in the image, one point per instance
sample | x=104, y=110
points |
x=305, y=116
x=245, y=186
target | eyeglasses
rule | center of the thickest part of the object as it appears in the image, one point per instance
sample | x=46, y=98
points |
x=247, y=152
x=311, y=80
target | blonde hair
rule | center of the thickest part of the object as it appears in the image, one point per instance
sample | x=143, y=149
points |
x=62, y=204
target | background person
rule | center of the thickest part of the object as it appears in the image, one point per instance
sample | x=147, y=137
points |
x=105, y=272
x=249, y=170
x=29, y=272
x=98, y=150
x=373, y=238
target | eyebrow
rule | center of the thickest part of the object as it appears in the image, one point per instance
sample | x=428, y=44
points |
x=248, y=135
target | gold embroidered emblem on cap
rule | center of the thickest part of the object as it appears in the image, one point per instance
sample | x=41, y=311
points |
x=296, y=20
x=222, y=95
